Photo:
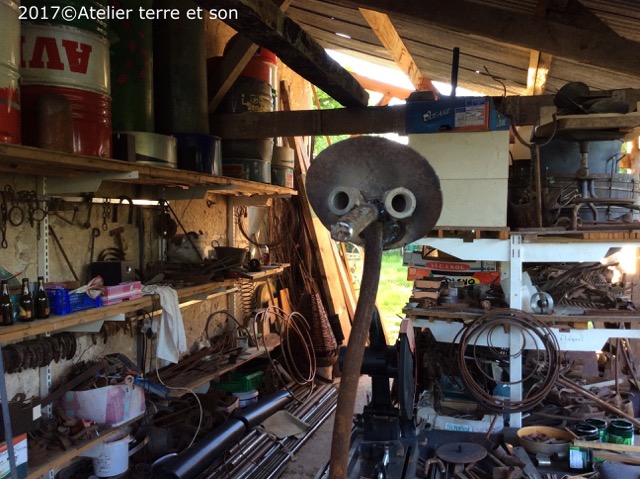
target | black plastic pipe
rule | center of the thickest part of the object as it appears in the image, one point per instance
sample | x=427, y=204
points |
x=193, y=461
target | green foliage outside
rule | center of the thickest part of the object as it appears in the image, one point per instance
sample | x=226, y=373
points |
x=326, y=103
x=393, y=292
x=394, y=289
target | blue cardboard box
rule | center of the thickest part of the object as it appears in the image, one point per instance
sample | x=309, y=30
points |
x=454, y=114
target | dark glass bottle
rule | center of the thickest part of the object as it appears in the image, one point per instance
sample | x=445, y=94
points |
x=41, y=301
x=6, y=306
x=25, y=303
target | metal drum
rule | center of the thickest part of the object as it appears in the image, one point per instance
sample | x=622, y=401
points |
x=132, y=69
x=9, y=72
x=199, y=153
x=179, y=71
x=75, y=63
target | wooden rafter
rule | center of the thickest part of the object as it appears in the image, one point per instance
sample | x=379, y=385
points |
x=596, y=44
x=539, y=65
x=387, y=90
x=381, y=25
x=262, y=22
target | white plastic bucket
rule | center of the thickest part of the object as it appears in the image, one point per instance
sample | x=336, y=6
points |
x=113, y=459
x=247, y=398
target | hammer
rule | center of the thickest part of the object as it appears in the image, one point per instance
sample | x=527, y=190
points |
x=117, y=234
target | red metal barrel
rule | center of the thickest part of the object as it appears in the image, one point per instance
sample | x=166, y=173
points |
x=9, y=72
x=74, y=63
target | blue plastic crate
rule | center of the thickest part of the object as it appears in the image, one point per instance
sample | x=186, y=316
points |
x=62, y=301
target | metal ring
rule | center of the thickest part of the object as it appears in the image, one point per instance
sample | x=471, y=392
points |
x=16, y=215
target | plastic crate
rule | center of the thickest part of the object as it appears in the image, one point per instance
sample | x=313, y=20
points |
x=239, y=383
x=62, y=301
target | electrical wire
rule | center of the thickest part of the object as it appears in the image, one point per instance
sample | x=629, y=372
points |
x=530, y=328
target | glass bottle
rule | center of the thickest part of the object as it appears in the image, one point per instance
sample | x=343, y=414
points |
x=25, y=303
x=6, y=306
x=41, y=299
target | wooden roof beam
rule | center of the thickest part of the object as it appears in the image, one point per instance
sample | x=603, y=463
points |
x=600, y=47
x=381, y=25
x=539, y=65
x=264, y=23
x=386, y=89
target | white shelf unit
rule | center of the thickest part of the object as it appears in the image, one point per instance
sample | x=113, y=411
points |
x=512, y=254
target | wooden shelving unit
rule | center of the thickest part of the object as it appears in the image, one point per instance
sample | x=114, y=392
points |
x=20, y=331
x=59, y=458
x=17, y=159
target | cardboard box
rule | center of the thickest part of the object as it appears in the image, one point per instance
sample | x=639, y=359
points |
x=454, y=114
x=442, y=422
x=112, y=405
x=20, y=452
x=414, y=259
x=479, y=277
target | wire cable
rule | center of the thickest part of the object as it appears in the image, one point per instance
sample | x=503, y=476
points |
x=534, y=332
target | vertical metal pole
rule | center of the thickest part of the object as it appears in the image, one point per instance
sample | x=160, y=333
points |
x=455, y=64
x=515, y=335
x=6, y=419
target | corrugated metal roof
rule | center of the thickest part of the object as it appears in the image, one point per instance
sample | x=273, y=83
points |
x=486, y=66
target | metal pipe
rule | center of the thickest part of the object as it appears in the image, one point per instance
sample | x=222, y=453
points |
x=355, y=351
x=455, y=64
x=350, y=225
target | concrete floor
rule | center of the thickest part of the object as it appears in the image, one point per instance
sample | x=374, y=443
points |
x=314, y=454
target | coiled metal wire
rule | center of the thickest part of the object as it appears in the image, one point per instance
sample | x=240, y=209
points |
x=473, y=358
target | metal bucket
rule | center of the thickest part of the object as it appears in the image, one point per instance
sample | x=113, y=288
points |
x=199, y=153
x=132, y=70
x=74, y=63
x=179, y=69
x=282, y=164
x=9, y=72
x=146, y=148
x=247, y=169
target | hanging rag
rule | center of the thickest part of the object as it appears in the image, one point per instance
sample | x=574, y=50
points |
x=172, y=339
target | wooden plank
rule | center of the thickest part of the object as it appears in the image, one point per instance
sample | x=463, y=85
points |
x=602, y=121
x=381, y=25
x=386, y=89
x=608, y=446
x=341, y=121
x=234, y=61
x=266, y=25
x=58, y=459
x=572, y=41
x=318, y=234
x=539, y=65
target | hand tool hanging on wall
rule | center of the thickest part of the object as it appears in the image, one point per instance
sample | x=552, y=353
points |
x=95, y=232
x=64, y=254
x=87, y=223
x=114, y=210
x=106, y=212
x=15, y=213
x=3, y=221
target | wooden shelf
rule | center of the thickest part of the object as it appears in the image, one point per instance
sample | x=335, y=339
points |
x=602, y=121
x=59, y=458
x=17, y=159
x=272, y=341
x=20, y=331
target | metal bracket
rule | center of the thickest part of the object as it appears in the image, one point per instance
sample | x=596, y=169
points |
x=256, y=200
x=193, y=192
x=86, y=183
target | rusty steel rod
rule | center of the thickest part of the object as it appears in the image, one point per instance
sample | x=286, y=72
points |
x=340, y=443
x=605, y=405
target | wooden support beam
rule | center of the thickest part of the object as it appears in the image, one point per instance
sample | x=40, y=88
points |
x=264, y=23
x=568, y=39
x=539, y=65
x=524, y=110
x=381, y=25
x=235, y=59
x=386, y=89
x=341, y=121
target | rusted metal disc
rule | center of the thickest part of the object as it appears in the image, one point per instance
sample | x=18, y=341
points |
x=461, y=452
x=373, y=166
